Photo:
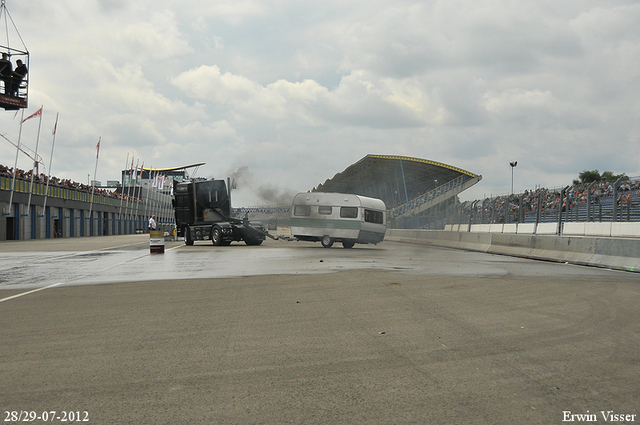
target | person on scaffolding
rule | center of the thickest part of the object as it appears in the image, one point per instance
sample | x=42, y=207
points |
x=17, y=76
x=5, y=72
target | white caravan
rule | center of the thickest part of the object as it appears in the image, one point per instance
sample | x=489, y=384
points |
x=338, y=217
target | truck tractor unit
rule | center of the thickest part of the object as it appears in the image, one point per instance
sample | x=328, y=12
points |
x=203, y=212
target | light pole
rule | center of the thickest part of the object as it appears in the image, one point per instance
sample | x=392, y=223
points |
x=513, y=165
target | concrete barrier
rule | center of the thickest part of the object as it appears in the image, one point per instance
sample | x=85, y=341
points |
x=526, y=228
x=496, y=228
x=625, y=229
x=575, y=229
x=614, y=253
x=547, y=229
x=511, y=228
x=598, y=229
x=480, y=228
x=591, y=229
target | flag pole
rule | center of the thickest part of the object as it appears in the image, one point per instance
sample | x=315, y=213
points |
x=149, y=200
x=159, y=206
x=15, y=165
x=154, y=209
x=35, y=163
x=162, y=199
x=53, y=143
x=149, y=197
x=129, y=203
x=146, y=198
x=122, y=198
x=93, y=190
x=135, y=186
x=142, y=199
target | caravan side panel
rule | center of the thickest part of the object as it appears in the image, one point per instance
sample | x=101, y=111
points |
x=343, y=217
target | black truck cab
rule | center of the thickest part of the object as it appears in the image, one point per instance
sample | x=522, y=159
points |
x=203, y=211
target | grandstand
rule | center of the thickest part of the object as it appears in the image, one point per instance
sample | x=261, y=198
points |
x=408, y=186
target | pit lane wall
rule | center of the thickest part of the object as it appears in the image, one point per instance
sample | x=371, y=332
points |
x=600, y=251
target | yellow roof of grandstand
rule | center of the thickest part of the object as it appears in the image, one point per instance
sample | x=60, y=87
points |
x=392, y=178
x=183, y=167
x=424, y=161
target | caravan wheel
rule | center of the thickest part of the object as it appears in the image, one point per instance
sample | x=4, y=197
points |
x=326, y=241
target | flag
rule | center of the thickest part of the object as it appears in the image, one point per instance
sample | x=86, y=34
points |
x=55, y=126
x=98, y=149
x=38, y=113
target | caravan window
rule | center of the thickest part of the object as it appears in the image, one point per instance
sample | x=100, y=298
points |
x=349, y=212
x=371, y=216
x=324, y=210
x=302, y=210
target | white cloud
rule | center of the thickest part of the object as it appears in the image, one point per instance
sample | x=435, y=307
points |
x=208, y=83
x=537, y=108
x=359, y=99
x=158, y=39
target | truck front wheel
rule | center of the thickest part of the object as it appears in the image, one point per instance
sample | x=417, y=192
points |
x=188, y=240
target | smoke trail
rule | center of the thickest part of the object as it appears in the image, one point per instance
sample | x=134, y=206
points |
x=267, y=193
x=274, y=195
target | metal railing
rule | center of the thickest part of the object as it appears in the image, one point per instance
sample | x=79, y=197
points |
x=72, y=194
x=419, y=200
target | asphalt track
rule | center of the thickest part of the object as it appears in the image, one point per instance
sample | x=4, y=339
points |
x=290, y=332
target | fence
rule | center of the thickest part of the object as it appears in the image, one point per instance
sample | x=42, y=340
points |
x=617, y=201
x=53, y=191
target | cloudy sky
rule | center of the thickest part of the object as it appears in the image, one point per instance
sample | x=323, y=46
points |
x=293, y=92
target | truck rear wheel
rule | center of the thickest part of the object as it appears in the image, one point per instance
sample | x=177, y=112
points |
x=326, y=241
x=188, y=240
x=216, y=236
x=348, y=244
x=253, y=242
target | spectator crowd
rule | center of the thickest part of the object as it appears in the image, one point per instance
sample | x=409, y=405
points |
x=63, y=183
x=551, y=201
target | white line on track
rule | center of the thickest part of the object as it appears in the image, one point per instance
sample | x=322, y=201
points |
x=80, y=277
x=31, y=292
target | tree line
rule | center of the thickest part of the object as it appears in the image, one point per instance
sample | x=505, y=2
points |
x=587, y=177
